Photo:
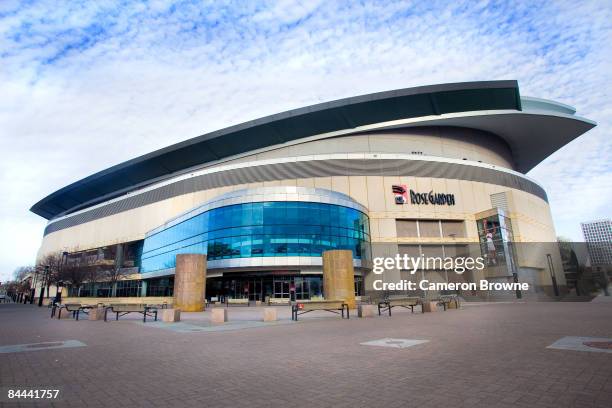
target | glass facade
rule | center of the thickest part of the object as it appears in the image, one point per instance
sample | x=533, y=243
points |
x=495, y=236
x=129, y=288
x=260, y=229
x=160, y=286
x=260, y=286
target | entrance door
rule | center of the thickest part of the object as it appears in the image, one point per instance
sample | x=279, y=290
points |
x=281, y=288
x=255, y=289
x=302, y=289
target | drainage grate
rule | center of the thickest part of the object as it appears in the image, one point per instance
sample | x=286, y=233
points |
x=394, y=343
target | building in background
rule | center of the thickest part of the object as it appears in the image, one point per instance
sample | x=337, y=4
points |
x=435, y=170
x=598, y=236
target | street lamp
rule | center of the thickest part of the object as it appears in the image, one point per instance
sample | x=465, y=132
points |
x=60, y=283
x=58, y=297
x=553, y=276
x=42, y=285
x=33, y=288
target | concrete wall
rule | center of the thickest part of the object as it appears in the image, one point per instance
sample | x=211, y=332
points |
x=448, y=142
x=531, y=216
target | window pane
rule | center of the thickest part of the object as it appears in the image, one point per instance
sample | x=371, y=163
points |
x=429, y=229
x=453, y=229
x=406, y=228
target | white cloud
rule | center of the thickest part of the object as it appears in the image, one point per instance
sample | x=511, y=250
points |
x=90, y=85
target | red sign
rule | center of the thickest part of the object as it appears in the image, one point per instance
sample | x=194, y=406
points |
x=401, y=193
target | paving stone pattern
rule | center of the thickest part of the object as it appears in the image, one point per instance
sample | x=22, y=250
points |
x=493, y=355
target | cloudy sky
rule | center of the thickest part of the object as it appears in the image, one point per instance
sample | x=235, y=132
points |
x=86, y=85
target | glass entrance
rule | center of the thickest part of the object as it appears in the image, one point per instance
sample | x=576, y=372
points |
x=281, y=288
x=258, y=288
x=302, y=289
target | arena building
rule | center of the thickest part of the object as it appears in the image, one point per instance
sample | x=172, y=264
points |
x=434, y=169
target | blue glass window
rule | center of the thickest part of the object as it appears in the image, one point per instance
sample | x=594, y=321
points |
x=268, y=229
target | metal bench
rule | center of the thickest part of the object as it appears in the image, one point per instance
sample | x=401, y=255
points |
x=121, y=309
x=305, y=306
x=74, y=308
x=163, y=305
x=447, y=300
x=279, y=301
x=237, y=302
x=390, y=303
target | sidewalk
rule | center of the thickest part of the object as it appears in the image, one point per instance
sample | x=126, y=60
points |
x=494, y=355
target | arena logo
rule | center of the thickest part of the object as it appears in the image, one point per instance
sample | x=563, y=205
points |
x=401, y=194
x=401, y=197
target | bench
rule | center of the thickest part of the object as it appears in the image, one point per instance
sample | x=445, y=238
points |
x=390, y=303
x=54, y=307
x=237, y=302
x=163, y=305
x=74, y=308
x=447, y=300
x=333, y=306
x=121, y=309
x=279, y=301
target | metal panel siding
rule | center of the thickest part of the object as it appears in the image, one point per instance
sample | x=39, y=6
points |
x=499, y=200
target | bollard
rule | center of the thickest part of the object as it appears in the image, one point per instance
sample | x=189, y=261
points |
x=171, y=315
x=96, y=313
x=430, y=307
x=218, y=315
x=365, y=310
x=269, y=314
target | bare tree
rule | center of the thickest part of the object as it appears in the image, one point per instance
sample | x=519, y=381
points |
x=114, y=274
x=21, y=283
x=22, y=272
x=48, y=268
x=93, y=273
x=84, y=268
x=73, y=273
x=11, y=288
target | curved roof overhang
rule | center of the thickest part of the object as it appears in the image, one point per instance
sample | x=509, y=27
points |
x=477, y=105
x=531, y=136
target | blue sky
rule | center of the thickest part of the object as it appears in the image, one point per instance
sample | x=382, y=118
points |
x=86, y=85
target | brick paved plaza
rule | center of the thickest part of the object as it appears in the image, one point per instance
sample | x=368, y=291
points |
x=484, y=355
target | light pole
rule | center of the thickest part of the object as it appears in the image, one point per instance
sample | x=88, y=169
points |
x=33, y=288
x=553, y=277
x=58, y=296
x=42, y=286
x=60, y=283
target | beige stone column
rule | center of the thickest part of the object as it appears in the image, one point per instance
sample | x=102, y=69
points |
x=339, y=276
x=190, y=282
